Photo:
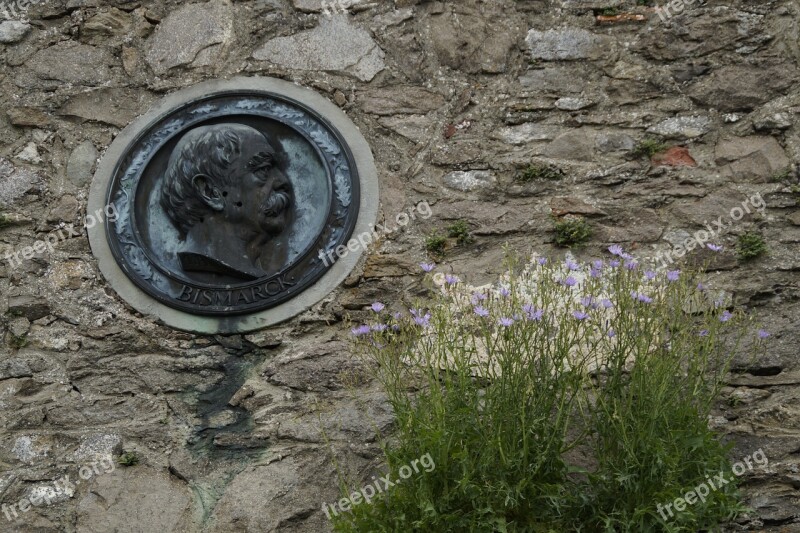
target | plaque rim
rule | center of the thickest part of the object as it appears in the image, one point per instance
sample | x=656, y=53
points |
x=242, y=323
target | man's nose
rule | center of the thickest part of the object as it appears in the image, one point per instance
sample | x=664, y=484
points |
x=281, y=181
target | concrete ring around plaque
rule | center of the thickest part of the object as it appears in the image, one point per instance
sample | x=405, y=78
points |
x=230, y=200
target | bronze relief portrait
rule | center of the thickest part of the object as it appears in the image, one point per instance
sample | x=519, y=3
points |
x=226, y=204
x=227, y=194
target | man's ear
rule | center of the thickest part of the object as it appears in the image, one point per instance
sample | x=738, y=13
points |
x=210, y=194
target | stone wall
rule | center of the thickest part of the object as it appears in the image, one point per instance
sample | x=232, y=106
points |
x=457, y=99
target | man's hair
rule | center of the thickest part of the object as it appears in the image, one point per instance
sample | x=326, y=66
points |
x=206, y=150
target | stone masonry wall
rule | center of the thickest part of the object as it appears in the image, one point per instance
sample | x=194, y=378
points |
x=457, y=98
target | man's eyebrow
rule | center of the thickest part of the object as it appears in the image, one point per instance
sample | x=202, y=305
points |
x=261, y=159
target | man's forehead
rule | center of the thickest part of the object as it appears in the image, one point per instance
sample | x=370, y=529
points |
x=256, y=145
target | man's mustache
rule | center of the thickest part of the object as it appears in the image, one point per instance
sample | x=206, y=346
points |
x=277, y=202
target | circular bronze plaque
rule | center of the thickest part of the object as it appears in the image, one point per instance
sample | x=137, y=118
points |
x=230, y=202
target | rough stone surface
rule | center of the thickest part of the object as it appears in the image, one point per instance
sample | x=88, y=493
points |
x=754, y=158
x=81, y=164
x=12, y=31
x=566, y=44
x=469, y=181
x=193, y=35
x=71, y=62
x=14, y=182
x=117, y=107
x=238, y=433
x=682, y=127
x=335, y=45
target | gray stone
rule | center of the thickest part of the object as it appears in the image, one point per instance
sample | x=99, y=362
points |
x=81, y=164
x=399, y=100
x=31, y=307
x=528, y=132
x=66, y=210
x=140, y=498
x=741, y=88
x=576, y=145
x=470, y=180
x=330, y=7
x=117, y=107
x=472, y=41
x=98, y=446
x=567, y=44
x=12, y=31
x=194, y=35
x=573, y=104
x=750, y=158
x=29, y=154
x=416, y=128
x=113, y=22
x=288, y=487
x=71, y=62
x=556, y=80
x=614, y=142
x=28, y=116
x=19, y=327
x=682, y=127
x=15, y=182
x=335, y=45
x=585, y=5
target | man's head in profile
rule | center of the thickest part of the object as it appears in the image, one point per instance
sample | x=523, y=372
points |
x=226, y=192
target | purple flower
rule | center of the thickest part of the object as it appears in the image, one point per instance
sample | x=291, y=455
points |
x=597, y=264
x=451, y=279
x=380, y=327
x=477, y=297
x=427, y=267
x=423, y=321
x=570, y=281
x=542, y=261
x=616, y=249
x=481, y=311
x=572, y=265
x=606, y=303
x=703, y=333
x=588, y=301
x=361, y=330
x=649, y=274
x=612, y=333
x=714, y=247
x=506, y=322
x=398, y=316
x=580, y=315
x=763, y=334
x=701, y=287
x=595, y=273
x=505, y=292
x=725, y=316
x=631, y=264
x=378, y=307
x=613, y=263
x=531, y=313
x=673, y=275
x=641, y=297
